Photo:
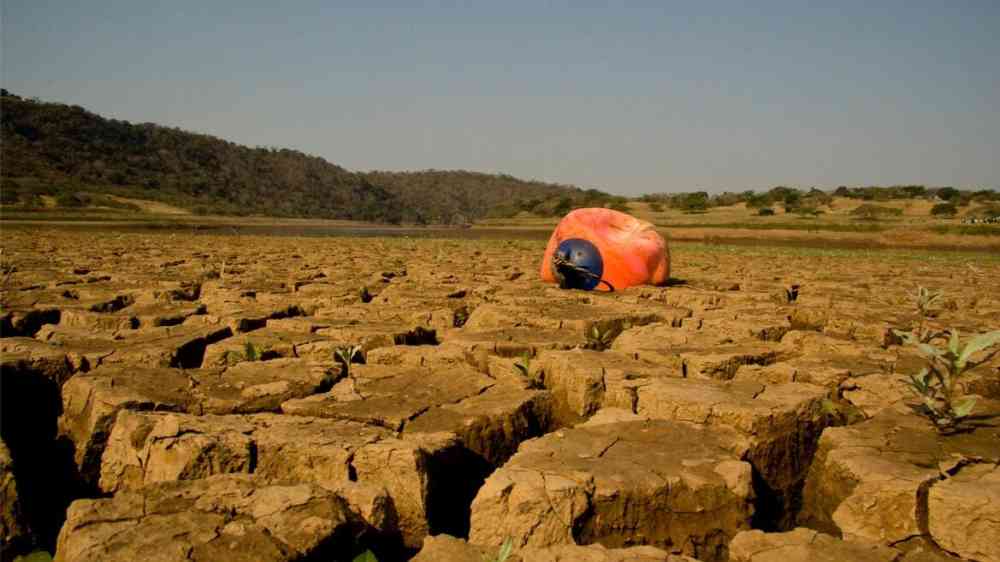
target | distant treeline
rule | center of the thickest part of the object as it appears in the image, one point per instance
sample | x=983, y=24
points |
x=66, y=155
x=808, y=201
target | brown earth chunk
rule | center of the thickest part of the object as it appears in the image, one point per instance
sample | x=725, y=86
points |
x=668, y=484
x=584, y=381
x=869, y=481
x=804, y=545
x=220, y=518
x=781, y=423
x=92, y=401
x=390, y=396
x=964, y=512
x=444, y=548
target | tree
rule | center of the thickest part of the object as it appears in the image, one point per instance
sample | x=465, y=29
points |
x=697, y=201
x=948, y=193
x=564, y=206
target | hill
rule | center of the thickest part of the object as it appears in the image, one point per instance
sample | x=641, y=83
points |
x=63, y=155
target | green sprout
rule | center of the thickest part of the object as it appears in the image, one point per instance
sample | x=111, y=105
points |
x=924, y=334
x=364, y=295
x=600, y=337
x=366, y=556
x=251, y=352
x=347, y=355
x=841, y=412
x=506, y=549
x=935, y=384
x=925, y=299
x=524, y=368
x=461, y=316
x=792, y=294
x=36, y=556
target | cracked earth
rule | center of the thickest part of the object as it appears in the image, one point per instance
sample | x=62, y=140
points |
x=178, y=396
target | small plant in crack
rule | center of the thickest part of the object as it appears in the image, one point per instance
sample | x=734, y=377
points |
x=926, y=334
x=601, y=336
x=936, y=383
x=366, y=556
x=347, y=355
x=925, y=299
x=506, y=549
x=251, y=352
x=523, y=367
x=922, y=332
x=841, y=412
x=461, y=316
x=364, y=295
x=36, y=556
x=792, y=294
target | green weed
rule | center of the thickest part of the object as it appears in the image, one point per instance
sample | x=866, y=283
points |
x=364, y=295
x=792, y=294
x=506, y=549
x=935, y=384
x=347, y=355
x=523, y=367
x=251, y=352
x=601, y=336
x=925, y=299
x=36, y=556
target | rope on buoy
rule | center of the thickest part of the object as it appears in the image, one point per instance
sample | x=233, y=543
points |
x=562, y=267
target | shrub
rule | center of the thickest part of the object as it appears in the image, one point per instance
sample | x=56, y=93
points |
x=498, y=212
x=74, y=200
x=944, y=210
x=990, y=210
x=792, y=200
x=725, y=199
x=691, y=201
x=765, y=212
x=756, y=201
x=948, y=193
x=818, y=197
x=564, y=206
x=869, y=211
x=806, y=211
x=621, y=206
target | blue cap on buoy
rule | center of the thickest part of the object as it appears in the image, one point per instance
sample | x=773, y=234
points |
x=577, y=264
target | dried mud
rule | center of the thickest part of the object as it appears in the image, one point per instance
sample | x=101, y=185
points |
x=181, y=394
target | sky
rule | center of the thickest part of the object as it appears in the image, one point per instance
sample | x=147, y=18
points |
x=627, y=97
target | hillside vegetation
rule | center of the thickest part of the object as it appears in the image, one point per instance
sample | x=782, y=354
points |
x=65, y=156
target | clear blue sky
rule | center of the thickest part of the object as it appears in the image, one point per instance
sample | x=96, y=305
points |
x=630, y=97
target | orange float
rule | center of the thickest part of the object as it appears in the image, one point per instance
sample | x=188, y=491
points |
x=605, y=250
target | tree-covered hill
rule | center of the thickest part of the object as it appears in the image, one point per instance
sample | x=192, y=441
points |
x=74, y=157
